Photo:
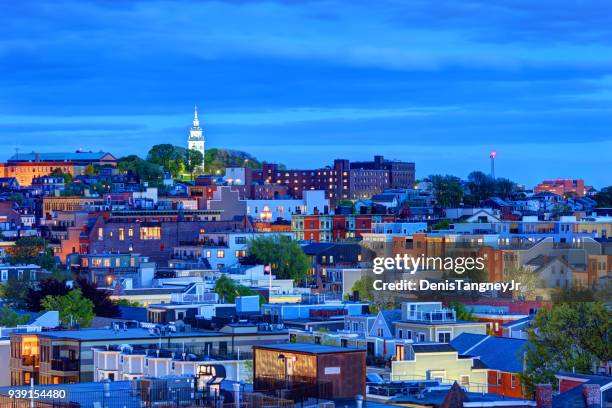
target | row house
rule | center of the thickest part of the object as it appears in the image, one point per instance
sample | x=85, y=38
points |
x=127, y=363
x=327, y=228
x=67, y=356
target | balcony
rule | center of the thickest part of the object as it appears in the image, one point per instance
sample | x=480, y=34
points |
x=436, y=316
x=31, y=361
x=64, y=364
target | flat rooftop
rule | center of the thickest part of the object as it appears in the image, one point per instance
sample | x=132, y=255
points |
x=131, y=333
x=308, y=348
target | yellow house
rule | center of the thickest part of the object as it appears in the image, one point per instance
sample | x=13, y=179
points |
x=438, y=362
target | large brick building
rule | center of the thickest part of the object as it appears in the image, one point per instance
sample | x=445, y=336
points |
x=26, y=166
x=343, y=180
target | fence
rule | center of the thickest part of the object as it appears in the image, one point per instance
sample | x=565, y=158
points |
x=151, y=397
x=295, y=388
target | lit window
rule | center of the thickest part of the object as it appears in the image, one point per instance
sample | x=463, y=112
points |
x=150, y=233
x=220, y=253
x=121, y=234
x=100, y=234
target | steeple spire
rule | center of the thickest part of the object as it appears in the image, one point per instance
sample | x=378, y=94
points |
x=196, y=120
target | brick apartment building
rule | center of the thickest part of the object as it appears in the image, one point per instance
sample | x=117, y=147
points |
x=562, y=187
x=326, y=228
x=150, y=235
x=343, y=180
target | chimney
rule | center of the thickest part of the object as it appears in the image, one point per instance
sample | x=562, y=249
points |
x=592, y=395
x=544, y=396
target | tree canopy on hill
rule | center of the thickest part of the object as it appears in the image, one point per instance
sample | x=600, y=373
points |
x=217, y=160
x=147, y=171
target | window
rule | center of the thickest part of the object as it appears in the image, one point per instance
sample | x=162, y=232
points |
x=100, y=234
x=220, y=253
x=4, y=275
x=465, y=381
x=380, y=332
x=400, y=353
x=444, y=337
x=240, y=253
x=121, y=234
x=400, y=333
x=514, y=381
x=240, y=240
x=130, y=232
x=150, y=233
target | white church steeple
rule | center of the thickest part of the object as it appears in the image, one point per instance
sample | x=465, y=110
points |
x=196, y=137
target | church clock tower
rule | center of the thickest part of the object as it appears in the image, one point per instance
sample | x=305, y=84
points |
x=196, y=136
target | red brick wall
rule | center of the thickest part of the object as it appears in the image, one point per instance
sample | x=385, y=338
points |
x=505, y=387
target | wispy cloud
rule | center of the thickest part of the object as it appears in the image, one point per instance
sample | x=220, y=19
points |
x=428, y=78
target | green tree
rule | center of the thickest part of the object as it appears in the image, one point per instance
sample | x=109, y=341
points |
x=125, y=302
x=573, y=294
x=73, y=308
x=286, y=257
x=217, y=160
x=146, y=171
x=33, y=250
x=504, y=188
x=365, y=287
x=378, y=299
x=89, y=170
x=447, y=190
x=228, y=289
x=66, y=176
x=462, y=312
x=14, y=292
x=570, y=337
x=194, y=161
x=10, y=318
x=172, y=158
x=441, y=225
x=604, y=197
x=480, y=186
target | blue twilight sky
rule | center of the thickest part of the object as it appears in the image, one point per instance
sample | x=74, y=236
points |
x=303, y=81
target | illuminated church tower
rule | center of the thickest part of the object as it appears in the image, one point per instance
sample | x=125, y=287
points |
x=196, y=137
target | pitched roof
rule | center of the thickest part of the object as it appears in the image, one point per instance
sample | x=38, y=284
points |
x=391, y=316
x=498, y=353
x=60, y=156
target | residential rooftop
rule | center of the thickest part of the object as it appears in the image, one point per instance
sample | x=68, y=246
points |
x=308, y=348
